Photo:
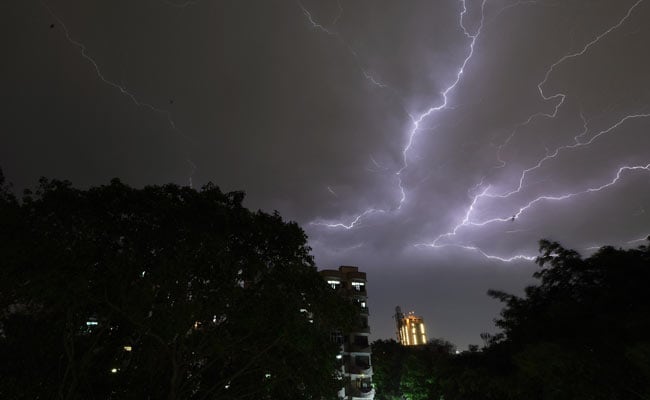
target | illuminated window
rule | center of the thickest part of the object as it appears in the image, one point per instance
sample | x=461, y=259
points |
x=334, y=284
x=359, y=286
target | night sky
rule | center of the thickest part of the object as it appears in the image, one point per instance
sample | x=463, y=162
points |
x=431, y=143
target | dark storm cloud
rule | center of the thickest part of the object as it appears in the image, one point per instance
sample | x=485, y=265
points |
x=308, y=107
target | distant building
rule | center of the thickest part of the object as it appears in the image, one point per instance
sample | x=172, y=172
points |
x=410, y=328
x=355, y=346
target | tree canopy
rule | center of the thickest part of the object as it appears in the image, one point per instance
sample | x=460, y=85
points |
x=581, y=332
x=160, y=292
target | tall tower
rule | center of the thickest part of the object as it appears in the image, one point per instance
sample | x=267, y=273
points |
x=355, y=353
x=410, y=328
x=398, y=322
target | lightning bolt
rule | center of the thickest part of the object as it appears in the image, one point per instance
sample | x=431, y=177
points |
x=434, y=109
x=560, y=96
x=577, y=143
x=484, y=194
x=475, y=249
x=318, y=26
x=122, y=89
x=484, y=191
x=350, y=225
x=467, y=222
x=416, y=121
x=192, y=171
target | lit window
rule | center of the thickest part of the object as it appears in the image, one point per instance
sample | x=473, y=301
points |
x=334, y=284
x=128, y=348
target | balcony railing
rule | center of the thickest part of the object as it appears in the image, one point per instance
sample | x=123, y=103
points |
x=359, y=348
x=360, y=394
x=360, y=369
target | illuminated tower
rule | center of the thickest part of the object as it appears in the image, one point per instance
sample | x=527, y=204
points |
x=356, y=366
x=410, y=328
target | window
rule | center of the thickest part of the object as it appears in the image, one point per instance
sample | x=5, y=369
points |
x=334, y=284
x=359, y=286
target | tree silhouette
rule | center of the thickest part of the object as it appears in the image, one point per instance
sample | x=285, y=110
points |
x=161, y=292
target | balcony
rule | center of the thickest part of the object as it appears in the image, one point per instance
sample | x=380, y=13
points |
x=358, y=348
x=360, y=370
x=360, y=394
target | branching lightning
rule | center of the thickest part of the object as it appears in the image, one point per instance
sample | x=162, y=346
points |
x=466, y=222
x=561, y=97
x=123, y=89
x=483, y=191
x=355, y=55
x=354, y=221
x=577, y=143
x=416, y=121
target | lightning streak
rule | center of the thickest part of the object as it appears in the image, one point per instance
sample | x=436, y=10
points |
x=432, y=110
x=481, y=252
x=318, y=26
x=416, y=121
x=123, y=89
x=353, y=223
x=466, y=221
x=561, y=96
x=100, y=75
x=578, y=142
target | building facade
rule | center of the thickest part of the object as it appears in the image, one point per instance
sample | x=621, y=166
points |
x=355, y=354
x=410, y=328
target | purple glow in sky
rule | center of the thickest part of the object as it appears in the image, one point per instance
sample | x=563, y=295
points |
x=431, y=143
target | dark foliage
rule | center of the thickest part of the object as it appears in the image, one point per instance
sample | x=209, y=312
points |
x=583, y=332
x=411, y=372
x=161, y=292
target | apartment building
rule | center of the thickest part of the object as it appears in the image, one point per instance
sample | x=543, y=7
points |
x=355, y=352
